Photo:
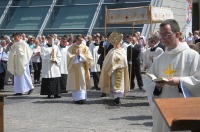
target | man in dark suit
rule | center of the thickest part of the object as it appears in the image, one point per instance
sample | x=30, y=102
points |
x=135, y=61
x=104, y=47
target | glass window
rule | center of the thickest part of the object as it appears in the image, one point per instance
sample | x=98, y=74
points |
x=3, y=3
x=66, y=2
x=26, y=18
x=73, y=17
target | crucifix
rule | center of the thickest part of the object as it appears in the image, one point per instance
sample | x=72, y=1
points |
x=169, y=71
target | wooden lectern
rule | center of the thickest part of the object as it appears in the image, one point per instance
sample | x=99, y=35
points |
x=2, y=95
x=180, y=113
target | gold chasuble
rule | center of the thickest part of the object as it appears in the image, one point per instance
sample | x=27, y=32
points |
x=19, y=57
x=78, y=72
x=115, y=64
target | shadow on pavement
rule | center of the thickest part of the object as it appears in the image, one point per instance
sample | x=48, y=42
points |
x=136, y=97
x=52, y=101
x=135, y=104
x=24, y=97
x=137, y=118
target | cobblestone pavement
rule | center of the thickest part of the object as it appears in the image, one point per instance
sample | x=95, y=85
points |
x=36, y=113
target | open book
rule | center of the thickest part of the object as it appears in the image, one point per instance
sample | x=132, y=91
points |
x=155, y=79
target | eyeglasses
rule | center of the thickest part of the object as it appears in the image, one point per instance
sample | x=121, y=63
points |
x=166, y=35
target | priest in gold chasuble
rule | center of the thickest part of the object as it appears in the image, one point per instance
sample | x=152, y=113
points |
x=114, y=77
x=79, y=60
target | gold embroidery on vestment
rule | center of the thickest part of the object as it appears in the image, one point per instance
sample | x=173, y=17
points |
x=76, y=77
x=116, y=61
x=118, y=78
x=107, y=77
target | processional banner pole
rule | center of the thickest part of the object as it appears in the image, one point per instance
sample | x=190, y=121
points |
x=105, y=23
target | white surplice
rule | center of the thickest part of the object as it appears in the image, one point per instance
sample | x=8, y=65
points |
x=49, y=69
x=95, y=55
x=63, y=62
x=186, y=63
x=125, y=45
x=151, y=54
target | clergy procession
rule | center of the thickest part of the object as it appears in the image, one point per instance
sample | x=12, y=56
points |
x=113, y=64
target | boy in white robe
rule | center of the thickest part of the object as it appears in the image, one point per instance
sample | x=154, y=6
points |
x=151, y=53
x=63, y=64
x=180, y=64
x=51, y=58
x=18, y=65
x=95, y=69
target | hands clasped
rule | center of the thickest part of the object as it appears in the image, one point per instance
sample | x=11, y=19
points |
x=78, y=51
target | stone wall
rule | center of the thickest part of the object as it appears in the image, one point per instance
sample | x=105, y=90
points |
x=179, y=10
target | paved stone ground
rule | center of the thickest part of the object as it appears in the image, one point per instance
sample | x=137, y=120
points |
x=36, y=113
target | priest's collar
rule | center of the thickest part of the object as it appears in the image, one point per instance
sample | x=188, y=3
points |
x=19, y=41
x=62, y=46
x=154, y=47
x=180, y=47
x=49, y=45
x=78, y=45
x=133, y=45
x=95, y=44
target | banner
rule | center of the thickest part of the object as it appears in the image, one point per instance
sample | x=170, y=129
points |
x=188, y=26
x=128, y=15
x=138, y=15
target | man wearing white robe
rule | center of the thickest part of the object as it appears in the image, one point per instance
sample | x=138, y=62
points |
x=114, y=79
x=95, y=69
x=63, y=64
x=18, y=65
x=51, y=58
x=180, y=64
x=151, y=53
x=79, y=60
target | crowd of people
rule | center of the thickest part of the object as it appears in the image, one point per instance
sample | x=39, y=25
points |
x=64, y=63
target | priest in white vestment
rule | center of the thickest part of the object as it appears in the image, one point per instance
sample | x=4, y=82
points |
x=180, y=64
x=79, y=60
x=18, y=64
x=63, y=64
x=114, y=78
x=95, y=69
x=51, y=58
